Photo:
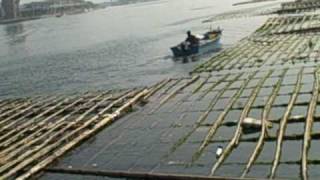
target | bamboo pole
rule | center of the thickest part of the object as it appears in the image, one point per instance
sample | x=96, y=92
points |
x=265, y=116
x=237, y=135
x=269, y=138
x=308, y=127
x=109, y=118
x=283, y=124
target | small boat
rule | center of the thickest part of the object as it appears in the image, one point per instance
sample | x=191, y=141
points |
x=207, y=42
x=59, y=15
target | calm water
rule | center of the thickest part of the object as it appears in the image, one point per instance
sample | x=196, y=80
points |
x=117, y=47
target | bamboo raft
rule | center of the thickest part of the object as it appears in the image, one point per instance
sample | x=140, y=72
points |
x=37, y=131
x=193, y=118
x=299, y=6
x=281, y=41
x=272, y=75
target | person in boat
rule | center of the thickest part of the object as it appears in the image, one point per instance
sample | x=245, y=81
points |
x=191, y=39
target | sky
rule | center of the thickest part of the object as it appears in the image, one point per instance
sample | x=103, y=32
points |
x=28, y=1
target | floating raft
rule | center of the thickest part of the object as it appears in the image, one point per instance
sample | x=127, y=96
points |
x=37, y=131
x=280, y=42
x=183, y=124
x=299, y=6
x=272, y=75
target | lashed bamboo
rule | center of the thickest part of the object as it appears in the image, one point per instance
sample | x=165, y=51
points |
x=175, y=82
x=265, y=116
x=43, y=131
x=20, y=131
x=16, y=123
x=213, y=86
x=237, y=135
x=68, y=126
x=107, y=120
x=18, y=113
x=204, y=116
x=197, y=88
x=283, y=124
x=221, y=117
x=308, y=127
x=172, y=94
x=7, y=104
x=21, y=106
x=271, y=138
x=201, y=84
x=157, y=88
x=9, y=163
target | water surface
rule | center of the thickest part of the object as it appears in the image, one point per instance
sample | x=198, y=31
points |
x=117, y=47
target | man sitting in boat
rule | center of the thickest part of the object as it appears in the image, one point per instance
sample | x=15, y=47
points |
x=189, y=43
x=193, y=40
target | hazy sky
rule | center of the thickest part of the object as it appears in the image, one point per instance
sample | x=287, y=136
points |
x=27, y=1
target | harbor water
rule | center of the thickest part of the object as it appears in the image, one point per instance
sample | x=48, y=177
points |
x=117, y=47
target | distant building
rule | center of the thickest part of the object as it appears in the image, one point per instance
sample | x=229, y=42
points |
x=51, y=7
x=10, y=9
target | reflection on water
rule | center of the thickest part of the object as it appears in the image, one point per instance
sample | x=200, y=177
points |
x=15, y=33
x=118, y=47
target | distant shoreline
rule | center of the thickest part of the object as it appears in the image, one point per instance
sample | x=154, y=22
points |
x=250, y=2
x=10, y=21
